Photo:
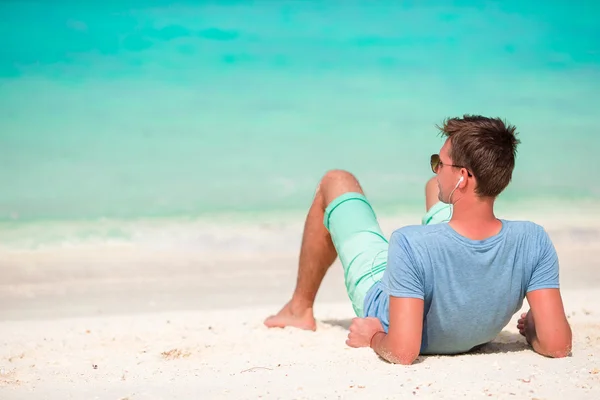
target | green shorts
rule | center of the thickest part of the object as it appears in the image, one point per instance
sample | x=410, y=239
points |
x=438, y=213
x=360, y=243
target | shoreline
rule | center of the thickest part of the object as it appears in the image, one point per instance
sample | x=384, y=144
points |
x=530, y=208
x=14, y=235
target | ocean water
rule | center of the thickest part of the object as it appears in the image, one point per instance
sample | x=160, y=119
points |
x=166, y=110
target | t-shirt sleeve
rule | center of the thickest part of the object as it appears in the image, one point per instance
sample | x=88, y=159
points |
x=545, y=272
x=403, y=276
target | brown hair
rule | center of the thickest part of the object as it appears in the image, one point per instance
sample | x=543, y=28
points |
x=486, y=147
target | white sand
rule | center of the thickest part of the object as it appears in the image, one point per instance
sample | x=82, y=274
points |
x=133, y=321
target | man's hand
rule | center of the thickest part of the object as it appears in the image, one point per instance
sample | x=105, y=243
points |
x=526, y=326
x=545, y=326
x=362, y=331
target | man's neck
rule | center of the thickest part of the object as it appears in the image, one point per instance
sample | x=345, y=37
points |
x=474, y=218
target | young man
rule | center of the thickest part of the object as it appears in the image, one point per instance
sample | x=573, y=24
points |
x=444, y=287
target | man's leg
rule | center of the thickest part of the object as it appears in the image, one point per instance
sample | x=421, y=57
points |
x=432, y=192
x=317, y=253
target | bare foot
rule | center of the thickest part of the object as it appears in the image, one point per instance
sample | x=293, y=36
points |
x=302, y=319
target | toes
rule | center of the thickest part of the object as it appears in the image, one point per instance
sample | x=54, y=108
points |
x=271, y=322
x=283, y=321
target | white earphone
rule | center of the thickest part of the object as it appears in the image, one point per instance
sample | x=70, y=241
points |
x=462, y=178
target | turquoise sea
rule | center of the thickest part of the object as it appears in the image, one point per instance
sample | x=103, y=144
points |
x=156, y=109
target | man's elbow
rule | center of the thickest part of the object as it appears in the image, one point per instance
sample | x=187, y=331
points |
x=404, y=357
x=406, y=360
x=559, y=347
x=559, y=350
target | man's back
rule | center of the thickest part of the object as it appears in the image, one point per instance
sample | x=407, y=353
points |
x=471, y=288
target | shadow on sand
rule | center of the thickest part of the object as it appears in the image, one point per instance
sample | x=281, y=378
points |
x=505, y=342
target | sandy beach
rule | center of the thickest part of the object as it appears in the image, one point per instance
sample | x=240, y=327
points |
x=158, y=158
x=137, y=320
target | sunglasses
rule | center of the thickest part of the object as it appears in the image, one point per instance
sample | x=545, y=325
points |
x=436, y=164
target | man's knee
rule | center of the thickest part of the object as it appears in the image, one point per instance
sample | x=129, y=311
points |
x=338, y=176
x=337, y=182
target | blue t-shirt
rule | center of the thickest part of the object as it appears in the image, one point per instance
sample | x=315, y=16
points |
x=471, y=288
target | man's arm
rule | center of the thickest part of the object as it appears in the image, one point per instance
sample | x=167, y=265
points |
x=546, y=327
x=402, y=344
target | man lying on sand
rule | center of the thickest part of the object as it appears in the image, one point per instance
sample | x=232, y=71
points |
x=444, y=287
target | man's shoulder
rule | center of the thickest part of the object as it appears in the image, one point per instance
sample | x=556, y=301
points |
x=524, y=227
x=535, y=235
x=411, y=235
x=423, y=232
x=411, y=231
